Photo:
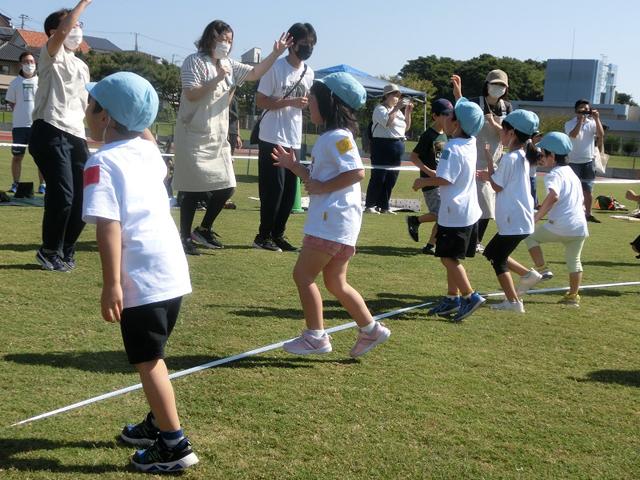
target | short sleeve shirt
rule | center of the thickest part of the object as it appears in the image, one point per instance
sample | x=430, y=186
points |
x=380, y=117
x=583, y=149
x=22, y=93
x=429, y=149
x=514, y=203
x=199, y=69
x=124, y=181
x=335, y=216
x=458, y=201
x=566, y=217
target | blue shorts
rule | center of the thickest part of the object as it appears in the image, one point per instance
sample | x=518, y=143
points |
x=586, y=172
x=20, y=135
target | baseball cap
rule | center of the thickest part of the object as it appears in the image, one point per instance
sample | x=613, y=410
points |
x=346, y=88
x=441, y=106
x=470, y=116
x=128, y=98
x=556, y=142
x=524, y=121
x=390, y=88
x=498, y=76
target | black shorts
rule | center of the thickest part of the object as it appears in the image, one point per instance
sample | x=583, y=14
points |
x=146, y=329
x=20, y=135
x=456, y=242
x=499, y=248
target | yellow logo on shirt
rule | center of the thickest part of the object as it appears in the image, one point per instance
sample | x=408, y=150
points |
x=344, y=145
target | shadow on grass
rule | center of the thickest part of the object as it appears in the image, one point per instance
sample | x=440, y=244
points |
x=86, y=246
x=607, y=263
x=13, y=451
x=24, y=266
x=629, y=378
x=389, y=251
x=116, y=361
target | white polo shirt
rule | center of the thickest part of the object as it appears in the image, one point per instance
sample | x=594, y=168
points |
x=583, y=145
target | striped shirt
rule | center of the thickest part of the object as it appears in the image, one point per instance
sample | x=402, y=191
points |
x=198, y=69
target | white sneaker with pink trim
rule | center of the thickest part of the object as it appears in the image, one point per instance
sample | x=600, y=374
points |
x=367, y=341
x=306, y=344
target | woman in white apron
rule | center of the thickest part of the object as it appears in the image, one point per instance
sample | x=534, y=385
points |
x=495, y=108
x=203, y=161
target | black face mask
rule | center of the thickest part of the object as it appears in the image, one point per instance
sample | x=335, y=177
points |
x=303, y=52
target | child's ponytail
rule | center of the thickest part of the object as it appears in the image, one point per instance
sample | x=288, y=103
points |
x=533, y=153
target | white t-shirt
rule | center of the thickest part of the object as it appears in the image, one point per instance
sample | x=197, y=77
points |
x=61, y=98
x=566, y=217
x=398, y=126
x=583, y=149
x=514, y=203
x=335, y=216
x=284, y=126
x=124, y=182
x=458, y=201
x=22, y=93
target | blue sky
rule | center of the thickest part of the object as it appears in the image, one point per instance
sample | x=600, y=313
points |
x=374, y=35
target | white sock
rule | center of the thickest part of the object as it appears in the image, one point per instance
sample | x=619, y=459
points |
x=316, y=333
x=369, y=328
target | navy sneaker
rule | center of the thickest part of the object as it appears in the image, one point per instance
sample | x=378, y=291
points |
x=413, y=224
x=265, y=244
x=445, y=306
x=159, y=458
x=190, y=247
x=42, y=189
x=283, y=244
x=14, y=187
x=144, y=434
x=468, y=306
x=206, y=237
x=429, y=249
x=51, y=261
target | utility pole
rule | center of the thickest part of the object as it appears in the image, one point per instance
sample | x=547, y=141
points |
x=136, y=35
x=22, y=18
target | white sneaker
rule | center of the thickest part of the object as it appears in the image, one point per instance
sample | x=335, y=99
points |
x=479, y=248
x=528, y=281
x=371, y=210
x=306, y=344
x=516, y=306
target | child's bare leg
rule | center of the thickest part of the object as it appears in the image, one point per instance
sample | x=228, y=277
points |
x=516, y=267
x=335, y=279
x=506, y=282
x=575, y=278
x=434, y=232
x=159, y=392
x=457, y=276
x=452, y=286
x=309, y=265
x=536, y=256
x=427, y=217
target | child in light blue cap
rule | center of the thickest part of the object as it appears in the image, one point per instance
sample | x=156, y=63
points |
x=459, y=210
x=564, y=209
x=334, y=217
x=144, y=269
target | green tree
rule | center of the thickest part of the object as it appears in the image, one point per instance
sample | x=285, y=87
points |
x=414, y=82
x=625, y=99
x=612, y=144
x=630, y=146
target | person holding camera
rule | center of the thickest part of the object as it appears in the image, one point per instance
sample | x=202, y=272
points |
x=583, y=130
x=391, y=120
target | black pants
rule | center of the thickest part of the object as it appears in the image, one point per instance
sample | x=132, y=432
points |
x=499, y=248
x=384, y=151
x=60, y=157
x=189, y=202
x=277, y=190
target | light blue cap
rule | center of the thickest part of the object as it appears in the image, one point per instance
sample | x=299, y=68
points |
x=556, y=142
x=470, y=116
x=128, y=98
x=346, y=88
x=524, y=121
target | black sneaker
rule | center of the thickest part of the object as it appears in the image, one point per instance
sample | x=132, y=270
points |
x=51, y=261
x=190, y=247
x=428, y=249
x=144, y=434
x=591, y=218
x=70, y=261
x=284, y=244
x=206, y=238
x=160, y=458
x=265, y=244
x=412, y=225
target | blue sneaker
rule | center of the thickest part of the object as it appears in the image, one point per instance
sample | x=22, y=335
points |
x=51, y=261
x=159, y=458
x=468, y=306
x=445, y=306
x=14, y=187
x=42, y=189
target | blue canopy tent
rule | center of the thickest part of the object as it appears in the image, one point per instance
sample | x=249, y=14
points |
x=373, y=85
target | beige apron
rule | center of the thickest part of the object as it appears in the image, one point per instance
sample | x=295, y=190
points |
x=486, y=194
x=203, y=159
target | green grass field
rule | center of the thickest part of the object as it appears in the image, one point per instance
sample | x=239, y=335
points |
x=549, y=394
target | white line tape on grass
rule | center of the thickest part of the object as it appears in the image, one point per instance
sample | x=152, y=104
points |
x=205, y=366
x=277, y=345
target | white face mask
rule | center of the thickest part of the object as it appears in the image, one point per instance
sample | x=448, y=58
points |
x=496, y=90
x=74, y=39
x=222, y=50
x=29, y=68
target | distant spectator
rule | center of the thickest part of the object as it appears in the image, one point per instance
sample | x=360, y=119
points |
x=21, y=96
x=584, y=130
x=390, y=125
